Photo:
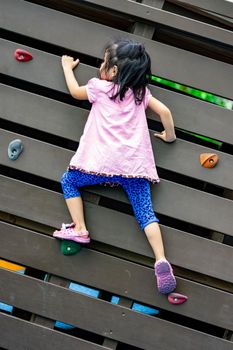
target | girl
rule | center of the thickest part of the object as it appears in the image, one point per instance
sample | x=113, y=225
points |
x=115, y=147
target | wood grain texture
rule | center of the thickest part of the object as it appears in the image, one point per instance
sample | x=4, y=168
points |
x=169, y=198
x=168, y=62
x=67, y=121
x=101, y=317
x=115, y=275
x=15, y=335
x=182, y=248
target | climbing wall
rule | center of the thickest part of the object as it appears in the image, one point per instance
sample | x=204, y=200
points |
x=104, y=296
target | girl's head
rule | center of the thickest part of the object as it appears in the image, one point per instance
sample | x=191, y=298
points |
x=127, y=64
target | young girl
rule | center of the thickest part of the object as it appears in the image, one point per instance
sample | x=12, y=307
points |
x=115, y=148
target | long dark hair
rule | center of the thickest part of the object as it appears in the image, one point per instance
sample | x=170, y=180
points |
x=133, y=68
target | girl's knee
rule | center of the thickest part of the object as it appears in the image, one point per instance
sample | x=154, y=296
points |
x=69, y=186
x=64, y=178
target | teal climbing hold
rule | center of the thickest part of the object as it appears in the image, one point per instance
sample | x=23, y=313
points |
x=15, y=148
x=70, y=247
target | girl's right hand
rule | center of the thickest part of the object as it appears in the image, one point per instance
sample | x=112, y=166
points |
x=163, y=136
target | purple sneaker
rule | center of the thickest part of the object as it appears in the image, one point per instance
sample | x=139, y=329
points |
x=166, y=281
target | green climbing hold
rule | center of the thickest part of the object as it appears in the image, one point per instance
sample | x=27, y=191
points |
x=70, y=247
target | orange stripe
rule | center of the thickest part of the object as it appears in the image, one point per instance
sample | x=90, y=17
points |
x=10, y=266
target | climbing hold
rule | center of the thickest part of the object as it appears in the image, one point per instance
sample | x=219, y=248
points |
x=175, y=298
x=22, y=55
x=208, y=160
x=70, y=247
x=15, y=148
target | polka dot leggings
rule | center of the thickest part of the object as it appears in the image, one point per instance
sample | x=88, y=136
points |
x=137, y=189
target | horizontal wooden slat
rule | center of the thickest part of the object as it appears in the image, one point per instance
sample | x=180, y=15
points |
x=41, y=113
x=114, y=275
x=195, y=115
x=20, y=334
x=182, y=157
x=220, y=7
x=171, y=199
x=188, y=113
x=182, y=249
x=45, y=69
x=115, y=322
x=208, y=76
x=69, y=121
x=153, y=14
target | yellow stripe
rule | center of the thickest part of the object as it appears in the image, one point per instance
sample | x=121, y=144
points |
x=10, y=266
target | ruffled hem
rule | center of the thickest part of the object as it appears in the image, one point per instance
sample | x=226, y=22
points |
x=110, y=183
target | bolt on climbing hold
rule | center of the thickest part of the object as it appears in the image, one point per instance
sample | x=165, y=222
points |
x=22, y=55
x=208, y=160
x=176, y=298
x=15, y=148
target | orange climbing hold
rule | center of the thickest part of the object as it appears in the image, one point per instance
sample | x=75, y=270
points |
x=208, y=160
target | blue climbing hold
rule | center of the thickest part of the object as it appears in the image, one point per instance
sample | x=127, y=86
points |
x=15, y=148
x=138, y=307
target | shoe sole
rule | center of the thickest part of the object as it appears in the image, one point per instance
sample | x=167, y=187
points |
x=165, y=279
x=75, y=239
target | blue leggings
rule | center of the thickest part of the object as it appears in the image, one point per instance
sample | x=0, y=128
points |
x=137, y=189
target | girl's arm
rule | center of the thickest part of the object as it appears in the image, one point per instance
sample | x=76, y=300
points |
x=76, y=91
x=168, y=135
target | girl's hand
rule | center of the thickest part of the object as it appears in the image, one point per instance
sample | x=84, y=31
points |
x=68, y=62
x=163, y=136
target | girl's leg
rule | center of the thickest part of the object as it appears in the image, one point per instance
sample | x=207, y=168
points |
x=154, y=237
x=75, y=207
x=139, y=193
x=71, y=181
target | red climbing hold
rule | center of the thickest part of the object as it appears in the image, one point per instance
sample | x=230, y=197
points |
x=175, y=298
x=22, y=55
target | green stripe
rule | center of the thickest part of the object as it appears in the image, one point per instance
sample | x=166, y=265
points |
x=203, y=95
x=207, y=139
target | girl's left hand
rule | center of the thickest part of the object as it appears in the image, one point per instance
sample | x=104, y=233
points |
x=68, y=62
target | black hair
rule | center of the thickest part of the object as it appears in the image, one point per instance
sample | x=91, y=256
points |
x=133, y=67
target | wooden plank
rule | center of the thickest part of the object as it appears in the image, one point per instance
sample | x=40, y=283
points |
x=183, y=249
x=182, y=157
x=101, y=317
x=218, y=6
x=208, y=76
x=183, y=203
x=171, y=199
x=110, y=343
x=199, y=13
x=20, y=334
x=69, y=121
x=41, y=113
x=140, y=28
x=195, y=115
x=35, y=72
x=155, y=15
x=189, y=113
x=220, y=18
x=115, y=275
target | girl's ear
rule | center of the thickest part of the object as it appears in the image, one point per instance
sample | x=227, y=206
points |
x=114, y=70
